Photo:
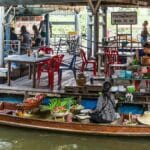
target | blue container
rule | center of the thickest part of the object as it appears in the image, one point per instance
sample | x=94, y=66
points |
x=46, y=101
x=89, y=103
x=12, y=99
x=131, y=109
x=128, y=74
x=122, y=74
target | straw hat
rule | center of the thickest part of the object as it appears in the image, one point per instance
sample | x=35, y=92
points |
x=145, y=119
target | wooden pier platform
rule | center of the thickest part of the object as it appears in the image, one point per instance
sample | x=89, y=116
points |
x=68, y=83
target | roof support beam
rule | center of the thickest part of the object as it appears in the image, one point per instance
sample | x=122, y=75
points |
x=94, y=7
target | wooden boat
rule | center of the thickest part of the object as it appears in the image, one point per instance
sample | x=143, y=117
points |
x=93, y=129
x=9, y=119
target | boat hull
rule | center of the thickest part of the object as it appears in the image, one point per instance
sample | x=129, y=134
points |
x=93, y=129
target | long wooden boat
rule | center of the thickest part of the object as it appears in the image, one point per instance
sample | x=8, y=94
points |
x=74, y=127
x=80, y=128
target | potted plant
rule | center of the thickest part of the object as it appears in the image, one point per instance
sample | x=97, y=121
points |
x=81, y=79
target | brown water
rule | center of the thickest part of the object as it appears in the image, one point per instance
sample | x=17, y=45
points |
x=21, y=139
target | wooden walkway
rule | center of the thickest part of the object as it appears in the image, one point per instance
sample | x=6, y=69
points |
x=24, y=84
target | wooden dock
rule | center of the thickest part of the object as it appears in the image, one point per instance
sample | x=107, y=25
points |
x=68, y=82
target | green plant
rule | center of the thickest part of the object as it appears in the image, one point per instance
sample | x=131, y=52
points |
x=135, y=62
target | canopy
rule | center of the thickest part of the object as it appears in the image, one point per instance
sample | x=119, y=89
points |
x=74, y=2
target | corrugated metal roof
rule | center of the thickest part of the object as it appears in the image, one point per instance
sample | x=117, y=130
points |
x=36, y=10
x=73, y=2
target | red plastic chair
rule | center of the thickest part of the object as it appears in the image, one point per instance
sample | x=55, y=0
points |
x=46, y=49
x=148, y=82
x=148, y=69
x=85, y=62
x=111, y=57
x=51, y=66
x=55, y=67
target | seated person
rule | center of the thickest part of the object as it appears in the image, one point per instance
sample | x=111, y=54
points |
x=37, y=37
x=13, y=38
x=13, y=35
x=25, y=40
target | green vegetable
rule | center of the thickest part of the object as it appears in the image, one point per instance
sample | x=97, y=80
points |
x=64, y=102
x=135, y=62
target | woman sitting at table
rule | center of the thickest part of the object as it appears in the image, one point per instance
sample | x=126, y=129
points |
x=37, y=38
x=25, y=40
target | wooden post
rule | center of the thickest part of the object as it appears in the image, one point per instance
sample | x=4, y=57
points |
x=77, y=22
x=30, y=71
x=47, y=29
x=96, y=33
x=95, y=9
x=34, y=76
x=9, y=72
x=117, y=36
x=94, y=6
x=7, y=32
x=89, y=32
x=131, y=35
x=104, y=11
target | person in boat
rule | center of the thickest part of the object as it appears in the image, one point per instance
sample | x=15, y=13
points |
x=144, y=33
x=105, y=110
x=25, y=40
x=37, y=37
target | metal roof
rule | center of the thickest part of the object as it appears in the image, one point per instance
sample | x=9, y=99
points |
x=74, y=2
x=38, y=7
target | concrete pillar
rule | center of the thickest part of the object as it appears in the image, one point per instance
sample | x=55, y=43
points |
x=89, y=32
x=96, y=32
x=1, y=36
x=47, y=29
x=7, y=32
x=77, y=22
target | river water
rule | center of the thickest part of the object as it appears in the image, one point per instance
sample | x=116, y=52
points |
x=23, y=139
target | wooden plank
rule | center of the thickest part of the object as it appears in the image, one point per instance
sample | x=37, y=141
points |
x=74, y=89
x=25, y=84
x=87, y=89
x=93, y=89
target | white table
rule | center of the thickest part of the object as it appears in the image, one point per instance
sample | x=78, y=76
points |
x=31, y=60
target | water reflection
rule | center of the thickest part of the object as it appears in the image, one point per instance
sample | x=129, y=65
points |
x=5, y=145
x=19, y=139
x=67, y=147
